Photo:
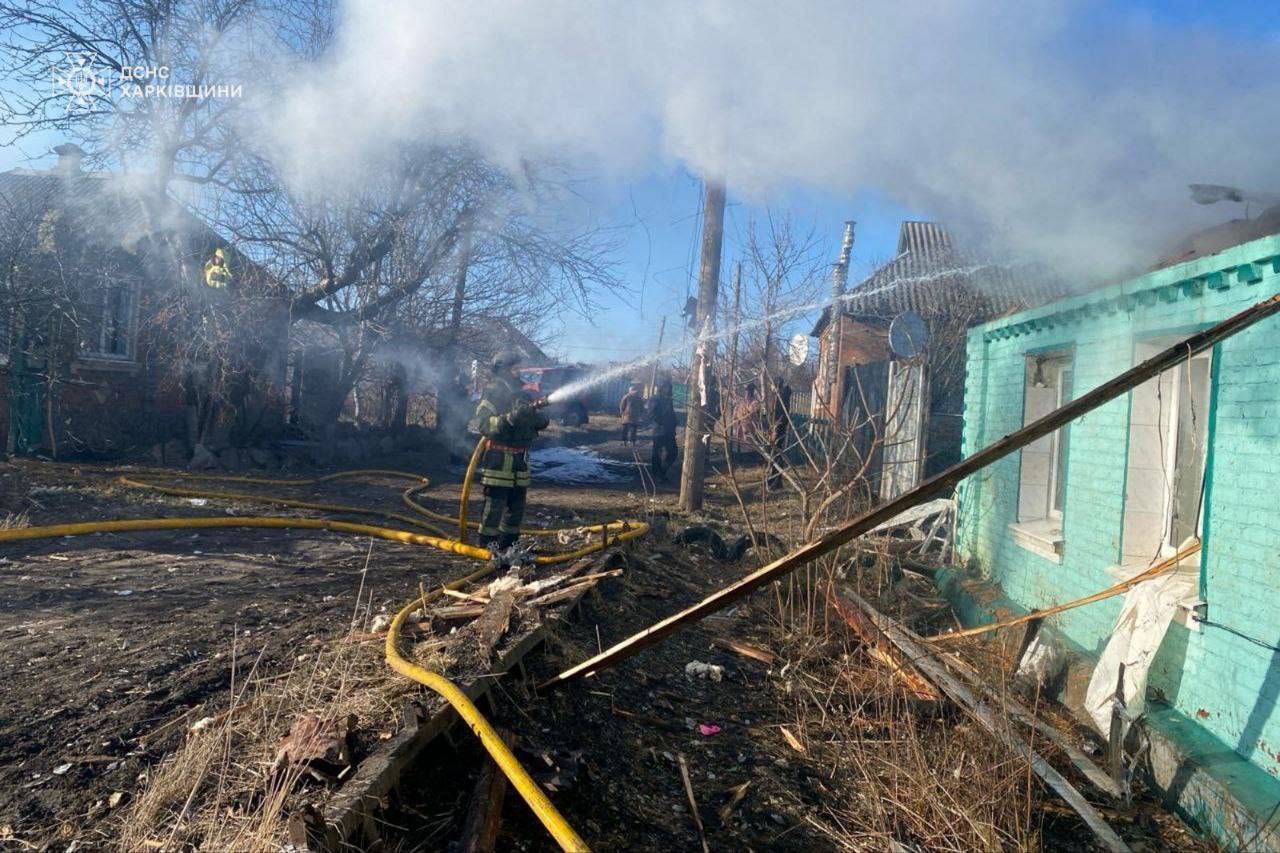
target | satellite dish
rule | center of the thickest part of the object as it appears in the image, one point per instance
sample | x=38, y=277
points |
x=908, y=335
x=798, y=349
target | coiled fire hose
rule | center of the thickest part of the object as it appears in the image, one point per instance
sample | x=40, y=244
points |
x=503, y=758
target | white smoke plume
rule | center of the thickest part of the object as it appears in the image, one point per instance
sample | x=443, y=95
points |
x=1070, y=136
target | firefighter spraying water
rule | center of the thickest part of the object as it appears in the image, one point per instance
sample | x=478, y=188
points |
x=509, y=418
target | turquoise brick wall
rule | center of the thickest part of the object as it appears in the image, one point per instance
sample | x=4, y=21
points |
x=1227, y=683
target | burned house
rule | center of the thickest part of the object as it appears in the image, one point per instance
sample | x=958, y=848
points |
x=1189, y=458
x=891, y=368
x=96, y=352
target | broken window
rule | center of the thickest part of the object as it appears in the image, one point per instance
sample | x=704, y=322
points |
x=1042, y=471
x=1168, y=440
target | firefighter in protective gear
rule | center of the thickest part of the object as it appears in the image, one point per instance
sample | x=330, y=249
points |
x=509, y=421
x=216, y=273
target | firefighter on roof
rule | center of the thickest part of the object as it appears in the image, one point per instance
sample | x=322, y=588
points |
x=510, y=421
x=216, y=273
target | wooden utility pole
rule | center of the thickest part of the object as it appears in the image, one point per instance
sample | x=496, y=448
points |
x=737, y=321
x=695, y=430
x=657, y=355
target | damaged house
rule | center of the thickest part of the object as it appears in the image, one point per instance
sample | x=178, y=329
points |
x=897, y=384
x=1193, y=454
x=99, y=350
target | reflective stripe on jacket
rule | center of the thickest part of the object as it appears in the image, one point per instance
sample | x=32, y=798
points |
x=507, y=465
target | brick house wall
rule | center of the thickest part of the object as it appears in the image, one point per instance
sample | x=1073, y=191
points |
x=1226, y=683
x=862, y=341
x=109, y=404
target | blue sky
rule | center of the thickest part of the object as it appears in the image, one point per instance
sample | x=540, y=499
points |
x=656, y=215
x=659, y=223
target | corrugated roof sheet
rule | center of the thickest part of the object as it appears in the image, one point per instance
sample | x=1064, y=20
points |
x=933, y=278
x=107, y=208
x=923, y=238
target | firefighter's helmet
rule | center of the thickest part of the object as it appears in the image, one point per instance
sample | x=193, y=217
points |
x=216, y=273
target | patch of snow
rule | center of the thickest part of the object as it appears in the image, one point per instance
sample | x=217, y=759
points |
x=577, y=465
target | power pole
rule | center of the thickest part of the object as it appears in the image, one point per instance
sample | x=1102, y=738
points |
x=657, y=355
x=737, y=321
x=695, y=430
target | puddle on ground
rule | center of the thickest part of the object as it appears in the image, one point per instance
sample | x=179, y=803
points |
x=578, y=465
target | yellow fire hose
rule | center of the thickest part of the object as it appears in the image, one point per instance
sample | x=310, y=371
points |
x=466, y=488
x=463, y=523
x=502, y=756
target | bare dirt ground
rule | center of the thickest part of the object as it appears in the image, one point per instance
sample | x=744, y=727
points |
x=111, y=645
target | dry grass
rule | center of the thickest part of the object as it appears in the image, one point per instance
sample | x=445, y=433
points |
x=15, y=520
x=224, y=790
x=909, y=776
x=899, y=774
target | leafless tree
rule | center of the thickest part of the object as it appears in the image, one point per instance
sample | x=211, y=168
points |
x=439, y=241
x=784, y=269
x=374, y=260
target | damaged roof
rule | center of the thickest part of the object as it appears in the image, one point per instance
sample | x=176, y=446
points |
x=106, y=213
x=109, y=205
x=931, y=277
x=1217, y=238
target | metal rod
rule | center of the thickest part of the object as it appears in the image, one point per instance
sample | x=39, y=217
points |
x=1127, y=381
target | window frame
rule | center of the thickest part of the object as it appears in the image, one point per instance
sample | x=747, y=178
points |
x=1168, y=429
x=1043, y=533
x=1059, y=444
x=1172, y=433
x=97, y=352
x=1064, y=356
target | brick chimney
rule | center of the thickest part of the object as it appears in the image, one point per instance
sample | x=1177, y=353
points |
x=70, y=156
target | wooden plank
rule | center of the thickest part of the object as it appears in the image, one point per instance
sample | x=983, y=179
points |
x=746, y=650
x=346, y=822
x=480, y=830
x=982, y=712
x=1017, y=711
x=1104, y=393
x=1115, y=737
x=493, y=622
x=885, y=652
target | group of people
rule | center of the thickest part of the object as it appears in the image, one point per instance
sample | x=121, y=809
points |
x=659, y=409
x=509, y=419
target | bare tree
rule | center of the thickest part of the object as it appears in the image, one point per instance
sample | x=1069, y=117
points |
x=369, y=261
x=440, y=240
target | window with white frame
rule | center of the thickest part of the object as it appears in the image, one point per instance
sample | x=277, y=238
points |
x=108, y=327
x=1043, y=466
x=1168, y=443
